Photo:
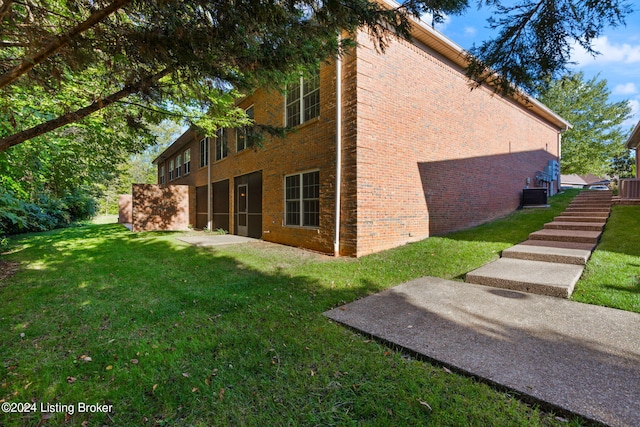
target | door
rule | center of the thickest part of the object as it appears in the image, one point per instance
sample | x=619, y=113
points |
x=242, y=210
x=248, y=205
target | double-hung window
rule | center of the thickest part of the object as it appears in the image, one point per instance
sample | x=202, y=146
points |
x=187, y=161
x=303, y=100
x=243, y=135
x=222, y=144
x=302, y=199
x=178, y=166
x=161, y=177
x=204, y=152
x=171, y=164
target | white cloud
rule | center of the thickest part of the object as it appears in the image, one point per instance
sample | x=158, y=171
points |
x=470, y=31
x=635, y=113
x=609, y=53
x=625, y=89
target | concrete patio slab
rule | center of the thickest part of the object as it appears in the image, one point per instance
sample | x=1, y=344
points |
x=579, y=358
x=215, y=240
x=544, y=278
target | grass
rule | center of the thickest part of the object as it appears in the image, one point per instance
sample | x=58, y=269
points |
x=612, y=276
x=174, y=335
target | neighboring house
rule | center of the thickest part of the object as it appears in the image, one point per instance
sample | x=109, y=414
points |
x=582, y=181
x=412, y=152
x=629, y=189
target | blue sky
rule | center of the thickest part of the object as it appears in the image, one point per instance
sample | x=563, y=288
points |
x=618, y=63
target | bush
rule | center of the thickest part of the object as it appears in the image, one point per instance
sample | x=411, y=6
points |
x=19, y=216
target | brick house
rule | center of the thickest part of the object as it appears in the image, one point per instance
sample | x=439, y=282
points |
x=412, y=152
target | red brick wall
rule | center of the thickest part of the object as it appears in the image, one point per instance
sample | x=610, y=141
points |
x=125, y=211
x=158, y=207
x=433, y=156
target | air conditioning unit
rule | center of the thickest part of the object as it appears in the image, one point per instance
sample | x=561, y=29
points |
x=534, y=196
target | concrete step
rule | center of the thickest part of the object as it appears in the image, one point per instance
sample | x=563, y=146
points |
x=544, y=278
x=566, y=236
x=567, y=218
x=557, y=244
x=568, y=225
x=548, y=254
x=588, y=209
x=586, y=213
x=589, y=205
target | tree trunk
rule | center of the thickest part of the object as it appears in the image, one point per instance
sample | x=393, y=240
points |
x=28, y=63
x=80, y=114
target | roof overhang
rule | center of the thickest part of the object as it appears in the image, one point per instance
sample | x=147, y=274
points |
x=450, y=50
x=634, y=139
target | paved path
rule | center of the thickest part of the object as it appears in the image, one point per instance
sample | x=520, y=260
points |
x=215, y=239
x=581, y=358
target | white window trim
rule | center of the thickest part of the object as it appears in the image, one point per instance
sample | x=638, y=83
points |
x=238, y=130
x=300, y=101
x=204, y=158
x=186, y=160
x=301, y=199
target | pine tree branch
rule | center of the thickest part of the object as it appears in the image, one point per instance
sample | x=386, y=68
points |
x=80, y=114
x=28, y=63
x=5, y=8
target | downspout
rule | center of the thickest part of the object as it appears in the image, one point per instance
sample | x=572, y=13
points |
x=209, y=219
x=336, y=239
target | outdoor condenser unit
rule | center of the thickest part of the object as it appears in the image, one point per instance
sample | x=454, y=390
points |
x=534, y=196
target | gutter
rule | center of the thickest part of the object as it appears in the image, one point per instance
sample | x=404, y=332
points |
x=336, y=238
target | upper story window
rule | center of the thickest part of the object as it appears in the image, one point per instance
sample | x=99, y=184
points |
x=204, y=152
x=171, y=163
x=303, y=100
x=187, y=161
x=222, y=144
x=243, y=135
x=178, y=166
x=161, y=175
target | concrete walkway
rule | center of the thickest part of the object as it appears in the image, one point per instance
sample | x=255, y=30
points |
x=553, y=259
x=215, y=240
x=580, y=358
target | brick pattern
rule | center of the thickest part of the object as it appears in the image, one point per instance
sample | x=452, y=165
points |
x=160, y=207
x=422, y=154
x=433, y=156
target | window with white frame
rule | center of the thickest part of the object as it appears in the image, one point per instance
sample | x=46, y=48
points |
x=302, y=199
x=187, y=161
x=204, y=152
x=161, y=177
x=171, y=170
x=303, y=100
x=222, y=144
x=243, y=135
x=178, y=165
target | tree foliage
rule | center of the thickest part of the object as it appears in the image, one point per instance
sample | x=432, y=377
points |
x=597, y=136
x=180, y=57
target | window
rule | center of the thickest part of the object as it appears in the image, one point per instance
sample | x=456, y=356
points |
x=302, y=199
x=303, y=100
x=171, y=170
x=204, y=152
x=161, y=178
x=222, y=144
x=178, y=166
x=187, y=161
x=243, y=135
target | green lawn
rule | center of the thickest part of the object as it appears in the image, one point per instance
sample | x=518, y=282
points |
x=174, y=335
x=612, y=276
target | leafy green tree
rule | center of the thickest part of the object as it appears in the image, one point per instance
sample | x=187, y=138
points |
x=180, y=57
x=597, y=136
